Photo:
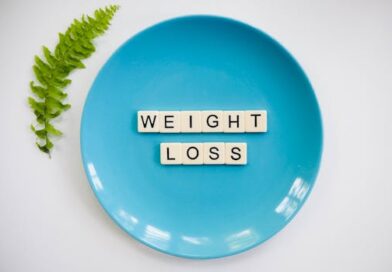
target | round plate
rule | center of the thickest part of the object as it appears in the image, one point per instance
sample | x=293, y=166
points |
x=201, y=63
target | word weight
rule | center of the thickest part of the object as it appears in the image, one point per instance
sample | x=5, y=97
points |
x=248, y=121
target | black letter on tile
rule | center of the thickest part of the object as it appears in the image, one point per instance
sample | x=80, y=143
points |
x=237, y=121
x=167, y=155
x=188, y=153
x=168, y=121
x=255, y=115
x=215, y=124
x=214, y=151
x=238, y=153
x=190, y=121
x=148, y=120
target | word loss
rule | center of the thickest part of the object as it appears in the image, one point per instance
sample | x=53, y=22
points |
x=202, y=121
x=203, y=153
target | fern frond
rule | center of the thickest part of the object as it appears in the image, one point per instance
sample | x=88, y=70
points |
x=52, y=70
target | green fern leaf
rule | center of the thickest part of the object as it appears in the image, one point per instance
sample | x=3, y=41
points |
x=38, y=90
x=53, y=131
x=52, y=70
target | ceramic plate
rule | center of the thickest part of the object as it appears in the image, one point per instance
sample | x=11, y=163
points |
x=201, y=63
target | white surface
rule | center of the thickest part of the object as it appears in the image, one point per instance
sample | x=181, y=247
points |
x=50, y=219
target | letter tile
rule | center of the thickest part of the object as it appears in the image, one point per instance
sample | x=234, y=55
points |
x=171, y=153
x=191, y=121
x=148, y=121
x=212, y=121
x=214, y=153
x=192, y=153
x=233, y=121
x=256, y=121
x=236, y=153
x=170, y=121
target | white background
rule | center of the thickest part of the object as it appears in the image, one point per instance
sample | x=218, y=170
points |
x=50, y=219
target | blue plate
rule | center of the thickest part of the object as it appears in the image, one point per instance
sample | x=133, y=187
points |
x=200, y=63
